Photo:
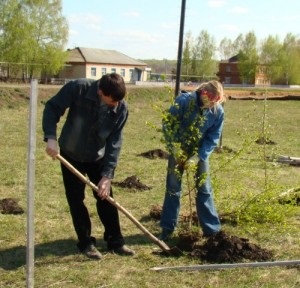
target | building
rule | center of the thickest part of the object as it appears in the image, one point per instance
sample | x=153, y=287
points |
x=93, y=63
x=229, y=73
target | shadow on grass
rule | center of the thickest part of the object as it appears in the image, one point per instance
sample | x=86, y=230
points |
x=15, y=257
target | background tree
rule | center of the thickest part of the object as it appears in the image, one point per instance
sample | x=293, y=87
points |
x=203, y=57
x=14, y=35
x=269, y=58
x=226, y=49
x=238, y=44
x=186, y=55
x=277, y=59
x=289, y=58
x=248, y=58
x=33, y=36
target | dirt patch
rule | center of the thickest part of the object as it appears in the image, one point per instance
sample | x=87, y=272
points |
x=224, y=149
x=219, y=248
x=10, y=206
x=224, y=248
x=263, y=140
x=156, y=153
x=132, y=182
x=155, y=212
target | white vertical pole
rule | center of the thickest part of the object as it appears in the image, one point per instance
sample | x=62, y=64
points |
x=30, y=185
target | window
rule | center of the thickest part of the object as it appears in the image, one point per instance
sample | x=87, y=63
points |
x=227, y=80
x=122, y=72
x=131, y=74
x=228, y=69
x=103, y=71
x=93, y=71
x=113, y=70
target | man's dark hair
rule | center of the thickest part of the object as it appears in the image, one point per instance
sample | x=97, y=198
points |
x=113, y=85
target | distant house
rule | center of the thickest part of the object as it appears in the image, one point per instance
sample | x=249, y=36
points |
x=229, y=73
x=93, y=63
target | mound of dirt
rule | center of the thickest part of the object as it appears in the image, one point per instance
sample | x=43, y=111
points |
x=132, y=182
x=10, y=206
x=224, y=149
x=224, y=248
x=155, y=212
x=220, y=248
x=263, y=140
x=156, y=153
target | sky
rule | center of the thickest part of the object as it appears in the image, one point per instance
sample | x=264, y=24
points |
x=149, y=29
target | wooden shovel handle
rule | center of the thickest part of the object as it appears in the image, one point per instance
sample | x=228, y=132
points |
x=111, y=200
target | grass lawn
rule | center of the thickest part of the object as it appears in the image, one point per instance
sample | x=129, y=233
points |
x=244, y=176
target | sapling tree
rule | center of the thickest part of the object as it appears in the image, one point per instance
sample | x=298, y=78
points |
x=182, y=141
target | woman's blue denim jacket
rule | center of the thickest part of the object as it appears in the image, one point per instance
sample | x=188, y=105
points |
x=186, y=108
x=92, y=131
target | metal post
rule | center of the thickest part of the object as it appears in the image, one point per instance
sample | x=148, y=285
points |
x=227, y=266
x=30, y=186
x=179, y=57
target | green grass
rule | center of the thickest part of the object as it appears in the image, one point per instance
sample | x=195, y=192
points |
x=236, y=178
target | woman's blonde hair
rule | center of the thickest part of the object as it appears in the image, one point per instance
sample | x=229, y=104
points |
x=214, y=87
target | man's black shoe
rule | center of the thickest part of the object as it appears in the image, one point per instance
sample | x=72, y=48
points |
x=123, y=250
x=92, y=252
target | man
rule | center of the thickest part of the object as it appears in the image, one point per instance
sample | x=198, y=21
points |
x=90, y=140
x=192, y=129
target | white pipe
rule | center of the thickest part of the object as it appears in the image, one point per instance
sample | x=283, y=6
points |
x=226, y=266
x=30, y=186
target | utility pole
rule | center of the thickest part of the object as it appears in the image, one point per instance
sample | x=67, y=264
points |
x=179, y=57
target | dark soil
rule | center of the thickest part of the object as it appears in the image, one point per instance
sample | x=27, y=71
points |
x=10, y=206
x=224, y=248
x=156, y=153
x=220, y=248
x=263, y=140
x=155, y=212
x=132, y=182
x=224, y=149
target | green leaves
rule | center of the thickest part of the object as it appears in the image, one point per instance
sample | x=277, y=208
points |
x=33, y=36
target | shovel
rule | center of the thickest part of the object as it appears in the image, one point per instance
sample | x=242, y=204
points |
x=169, y=251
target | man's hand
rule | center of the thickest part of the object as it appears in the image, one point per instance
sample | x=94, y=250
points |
x=104, y=187
x=52, y=148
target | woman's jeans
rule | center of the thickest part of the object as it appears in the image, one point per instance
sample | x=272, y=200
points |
x=207, y=215
x=75, y=193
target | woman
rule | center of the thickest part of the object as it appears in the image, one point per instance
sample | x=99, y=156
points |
x=192, y=129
